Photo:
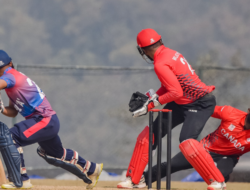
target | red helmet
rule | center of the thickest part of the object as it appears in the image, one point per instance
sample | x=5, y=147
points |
x=147, y=37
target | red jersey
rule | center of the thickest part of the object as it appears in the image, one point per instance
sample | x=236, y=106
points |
x=179, y=81
x=230, y=138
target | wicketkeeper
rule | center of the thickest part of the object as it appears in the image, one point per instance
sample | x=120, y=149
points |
x=41, y=125
x=181, y=91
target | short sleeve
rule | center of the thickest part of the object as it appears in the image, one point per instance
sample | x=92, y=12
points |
x=9, y=79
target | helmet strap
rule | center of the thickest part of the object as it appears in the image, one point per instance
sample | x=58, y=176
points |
x=148, y=59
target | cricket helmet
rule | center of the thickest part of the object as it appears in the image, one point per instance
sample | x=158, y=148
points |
x=4, y=58
x=147, y=37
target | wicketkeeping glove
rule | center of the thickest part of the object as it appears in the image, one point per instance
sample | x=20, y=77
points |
x=149, y=102
x=1, y=104
x=137, y=101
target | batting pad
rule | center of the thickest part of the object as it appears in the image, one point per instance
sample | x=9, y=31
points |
x=139, y=158
x=202, y=162
x=10, y=155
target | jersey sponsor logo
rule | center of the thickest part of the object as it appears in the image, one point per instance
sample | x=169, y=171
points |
x=192, y=110
x=222, y=108
x=232, y=139
x=17, y=108
x=18, y=102
x=231, y=127
x=176, y=55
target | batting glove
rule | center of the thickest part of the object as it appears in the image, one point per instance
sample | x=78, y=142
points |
x=1, y=104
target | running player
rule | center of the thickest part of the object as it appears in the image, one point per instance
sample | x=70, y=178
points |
x=41, y=126
x=226, y=144
x=181, y=89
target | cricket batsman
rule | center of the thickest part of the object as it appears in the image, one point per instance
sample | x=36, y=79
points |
x=41, y=125
x=181, y=91
x=225, y=145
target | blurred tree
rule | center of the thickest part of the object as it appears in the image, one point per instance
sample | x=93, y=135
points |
x=208, y=59
x=96, y=32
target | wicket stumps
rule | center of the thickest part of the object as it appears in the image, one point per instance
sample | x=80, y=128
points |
x=159, y=149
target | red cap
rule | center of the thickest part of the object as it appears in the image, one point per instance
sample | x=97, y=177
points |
x=147, y=37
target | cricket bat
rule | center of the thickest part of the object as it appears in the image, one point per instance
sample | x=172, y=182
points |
x=2, y=174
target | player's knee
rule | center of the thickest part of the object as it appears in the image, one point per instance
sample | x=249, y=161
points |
x=183, y=138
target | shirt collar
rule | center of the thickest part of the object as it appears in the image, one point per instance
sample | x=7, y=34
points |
x=158, y=51
x=6, y=70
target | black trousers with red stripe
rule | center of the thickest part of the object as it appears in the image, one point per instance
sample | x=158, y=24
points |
x=44, y=131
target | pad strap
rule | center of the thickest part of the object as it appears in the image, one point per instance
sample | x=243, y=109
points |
x=20, y=150
x=75, y=158
x=23, y=170
x=86, y=167
x=64, y=154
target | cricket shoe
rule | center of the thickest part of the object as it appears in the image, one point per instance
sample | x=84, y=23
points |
x=26, y=185
x=128, y=184
x=217, y=186
x=95, y=176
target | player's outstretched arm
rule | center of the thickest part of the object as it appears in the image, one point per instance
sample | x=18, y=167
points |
x=9, y=111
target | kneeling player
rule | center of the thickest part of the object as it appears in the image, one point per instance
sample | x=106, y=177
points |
x=225, y=145
x=41, y=126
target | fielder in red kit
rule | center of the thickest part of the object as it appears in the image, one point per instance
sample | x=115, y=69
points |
x=226, y=144
x=190, y=100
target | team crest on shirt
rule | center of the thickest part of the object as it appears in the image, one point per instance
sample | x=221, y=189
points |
x=231, y=127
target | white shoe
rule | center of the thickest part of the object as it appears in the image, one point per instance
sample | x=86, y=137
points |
x=224, y=186
x=95, y=176
x=217, y=186
x=26, y=185
x=128, y=184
